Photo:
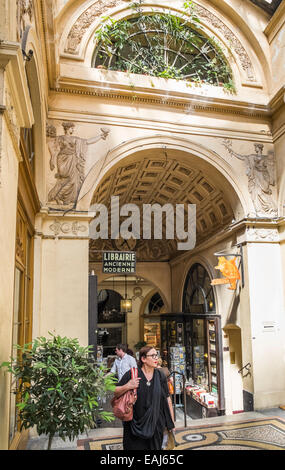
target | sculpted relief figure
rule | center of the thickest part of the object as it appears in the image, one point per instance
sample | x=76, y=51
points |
x=260, y=173
x=24, y=16
x=68, y=155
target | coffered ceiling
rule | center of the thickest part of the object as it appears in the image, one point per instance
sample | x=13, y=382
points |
x=162, y=180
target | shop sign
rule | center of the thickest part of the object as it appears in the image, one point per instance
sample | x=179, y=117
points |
x=228, y=269
x=119, y=262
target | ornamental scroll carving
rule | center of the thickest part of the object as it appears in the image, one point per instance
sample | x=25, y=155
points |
x=262, y=234
x=84, y=22
x=67, y=228
x=100, y=6
x=231, y=38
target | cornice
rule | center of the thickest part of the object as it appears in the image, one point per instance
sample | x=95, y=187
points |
x=263, y=225
x=277, y=100
x=11, y=60
x=275, y=22
x=172, y=100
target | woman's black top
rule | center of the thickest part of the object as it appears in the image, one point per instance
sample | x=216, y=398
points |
x=151, y=413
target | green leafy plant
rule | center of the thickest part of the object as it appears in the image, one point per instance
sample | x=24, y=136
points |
x=161, y=45
x=230, y=86
x=58, y=387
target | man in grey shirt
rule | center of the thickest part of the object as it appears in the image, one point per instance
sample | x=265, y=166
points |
x=123, y=362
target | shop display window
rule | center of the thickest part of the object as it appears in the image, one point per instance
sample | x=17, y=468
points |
x=152, y=333
x=200, y=353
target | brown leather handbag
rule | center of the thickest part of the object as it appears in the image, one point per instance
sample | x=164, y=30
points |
x=123, y=405
x=170, y=387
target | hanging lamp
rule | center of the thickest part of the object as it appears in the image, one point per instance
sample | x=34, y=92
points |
x=126, y=304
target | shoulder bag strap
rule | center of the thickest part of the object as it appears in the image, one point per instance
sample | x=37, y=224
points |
x=134, y=374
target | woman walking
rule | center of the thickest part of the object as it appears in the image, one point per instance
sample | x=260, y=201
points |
x=153, y=411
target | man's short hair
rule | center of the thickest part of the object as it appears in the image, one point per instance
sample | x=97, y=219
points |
x=123, y=347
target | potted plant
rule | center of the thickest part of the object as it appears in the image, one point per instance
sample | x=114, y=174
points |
x=58, y=387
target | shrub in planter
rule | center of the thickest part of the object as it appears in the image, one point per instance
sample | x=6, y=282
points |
x=58, y=387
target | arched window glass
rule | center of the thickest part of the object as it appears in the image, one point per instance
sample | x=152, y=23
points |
x=109, y=310
x=198, y=291
x=161, y=45
x=155, y=304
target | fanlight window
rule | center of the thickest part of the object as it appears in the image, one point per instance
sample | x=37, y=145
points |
x=198, y=290
x=162, y=46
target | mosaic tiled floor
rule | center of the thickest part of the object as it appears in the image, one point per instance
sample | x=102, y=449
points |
x=260, y=434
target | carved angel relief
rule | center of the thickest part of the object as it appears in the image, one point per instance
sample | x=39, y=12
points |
x=68, y=156
x=260, y=170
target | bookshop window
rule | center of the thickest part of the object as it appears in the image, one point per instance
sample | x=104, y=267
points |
x=152, y=325
x=109, y=307
x=198, y=291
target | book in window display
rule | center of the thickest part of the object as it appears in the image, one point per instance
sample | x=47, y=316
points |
x=177, y=364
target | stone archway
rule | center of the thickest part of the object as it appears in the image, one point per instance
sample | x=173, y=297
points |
x=163, y=170
x=185, y=150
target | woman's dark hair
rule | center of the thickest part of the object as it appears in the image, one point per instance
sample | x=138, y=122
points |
x=143, y=352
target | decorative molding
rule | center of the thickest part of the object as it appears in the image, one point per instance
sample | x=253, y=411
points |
x=235, y=43
x=275, y=23
x=11, y=116
x=211, y=105
x=67, y=228
x=11, y=60
x=157, y=125
x=237, y=232
x=85, y=20
x=20, y=236
x=277, y=101
x=262, y=234
x=12, y=123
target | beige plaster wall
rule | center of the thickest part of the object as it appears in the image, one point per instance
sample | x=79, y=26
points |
x=8, y=20
x=279, y=146
x=64, y=289
x=8, y=207
x=275, y=33
x=267, y=308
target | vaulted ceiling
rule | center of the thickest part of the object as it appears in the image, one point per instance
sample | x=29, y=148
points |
x=162, y=180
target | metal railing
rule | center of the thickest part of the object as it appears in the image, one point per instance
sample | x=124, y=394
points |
x=183, y=393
